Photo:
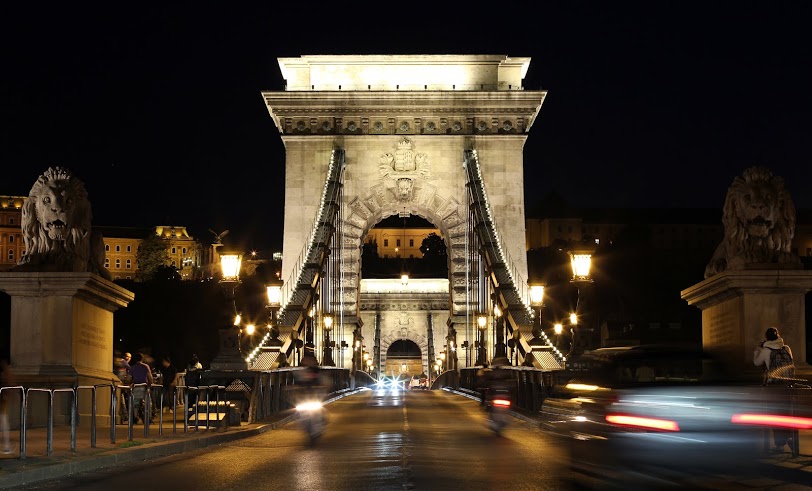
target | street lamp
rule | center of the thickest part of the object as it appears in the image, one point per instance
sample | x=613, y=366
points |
x=581, y=261
x=501, y=347
x=537, y=301
x=327, y=358
x=482, y=326
x=273, y=291
x=558, y=328
x=230, y=356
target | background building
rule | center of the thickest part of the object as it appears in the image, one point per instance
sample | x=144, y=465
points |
x=11, y=236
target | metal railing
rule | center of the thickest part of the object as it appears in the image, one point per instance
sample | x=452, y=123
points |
x=120, y=396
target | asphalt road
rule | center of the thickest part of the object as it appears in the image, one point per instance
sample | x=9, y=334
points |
x=421, y=440
x=418, y=440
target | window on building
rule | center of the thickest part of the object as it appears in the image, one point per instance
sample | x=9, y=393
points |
x=11, y=254
x=107, y=263
x=173, y=264
x=129, y=248
x=10, y=239
x=118, y=263
x=118, y=248
x=397, y=242
x=411, y=256
x=411, y=242
x=107, y=247
x=118, y=277
x=11, y=220
x=174, y=251
x=183, y=250
x=129, y=277
x=386, y=242
x=128, y=264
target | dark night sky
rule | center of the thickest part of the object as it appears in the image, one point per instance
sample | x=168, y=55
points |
x=650, y=104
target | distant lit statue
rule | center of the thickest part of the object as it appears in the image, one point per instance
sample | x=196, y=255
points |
x=759, y=220
x=56, y=227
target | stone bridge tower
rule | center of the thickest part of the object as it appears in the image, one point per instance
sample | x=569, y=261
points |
x=404, y=123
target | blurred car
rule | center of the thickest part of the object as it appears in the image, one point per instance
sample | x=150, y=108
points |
x=652, y=416
x=418, y=383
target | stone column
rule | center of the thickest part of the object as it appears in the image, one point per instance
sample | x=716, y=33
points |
x=62, y=331
x=738, y=306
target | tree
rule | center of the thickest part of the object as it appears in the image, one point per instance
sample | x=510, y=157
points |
x=433, y=246
x=152, y=254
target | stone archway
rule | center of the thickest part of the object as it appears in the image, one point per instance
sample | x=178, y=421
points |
x=404, y=331
x=402, y=356
x=405, y=124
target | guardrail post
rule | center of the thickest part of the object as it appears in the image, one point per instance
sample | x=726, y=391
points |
x=113, y=411
x=49, y=438
x=93, y=417
x=23, y=421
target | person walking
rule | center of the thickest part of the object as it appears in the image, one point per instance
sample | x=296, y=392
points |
x=779, y=369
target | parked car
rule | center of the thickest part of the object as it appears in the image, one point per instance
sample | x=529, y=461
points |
x=645, y=416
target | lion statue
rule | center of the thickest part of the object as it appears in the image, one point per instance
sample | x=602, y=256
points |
x=759, y=220
x=56, y=227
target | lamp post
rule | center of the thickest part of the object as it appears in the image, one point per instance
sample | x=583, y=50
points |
x=309, y=355
x=501, y=348
x=327, y=358
x=230, y=356
x=273, y=290
x=558, y=328
x=537, y=301
x=581, y=261
x=482, y=326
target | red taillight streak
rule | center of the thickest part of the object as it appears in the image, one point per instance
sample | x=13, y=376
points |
x=792, y=422
x=641, y=422
x=501, y=402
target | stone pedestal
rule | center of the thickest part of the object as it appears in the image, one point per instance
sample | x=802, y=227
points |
x=738, y=306
x=229, y=357
x=62, y=332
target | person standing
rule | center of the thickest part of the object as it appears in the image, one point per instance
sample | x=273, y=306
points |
x=121, y=366
x=776, y=357
x=169, y=381
x=141, y=379
x=193, y=379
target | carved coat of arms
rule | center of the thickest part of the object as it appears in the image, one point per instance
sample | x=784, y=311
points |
x=401, y=168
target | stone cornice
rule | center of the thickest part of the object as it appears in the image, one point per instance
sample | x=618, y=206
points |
x=393, y=112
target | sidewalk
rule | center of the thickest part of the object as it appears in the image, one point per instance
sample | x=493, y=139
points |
x=38, y=466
